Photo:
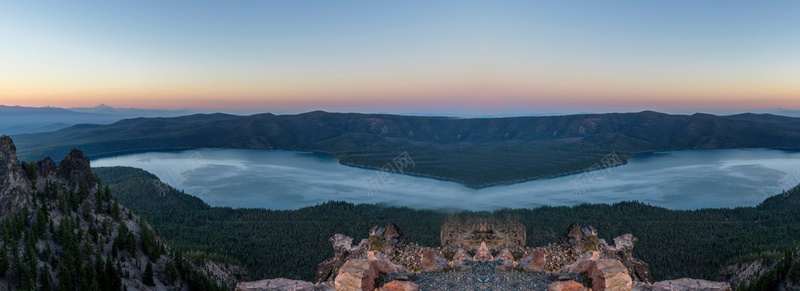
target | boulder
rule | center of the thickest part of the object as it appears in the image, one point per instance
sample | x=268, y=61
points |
x=609, y=275
x=483, y=254
x=383, y=263
x=582, y=264
x=579, y=240
x=683, y=284
x=376, y=231
x=393, y=236
x=356, y=275
x=459, y=260
x=343, y=250
x=388, y=238
x=566, y=286
x=574, y=238
x=461, y=254
x=506, y=259
x=399, y=286
x=431, y=261
x=535, y=261
x=622, y=250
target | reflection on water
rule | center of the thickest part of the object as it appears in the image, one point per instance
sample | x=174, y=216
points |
x=277, y=179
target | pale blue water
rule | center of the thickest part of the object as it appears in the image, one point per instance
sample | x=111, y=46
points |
x=277, y=179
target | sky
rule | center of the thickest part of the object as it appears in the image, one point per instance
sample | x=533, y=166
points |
x=494, y=57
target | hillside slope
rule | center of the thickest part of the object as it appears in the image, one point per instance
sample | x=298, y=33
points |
x=61, y=230
x=477, y=152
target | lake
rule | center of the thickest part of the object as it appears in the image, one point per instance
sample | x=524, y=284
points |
x=277, y=179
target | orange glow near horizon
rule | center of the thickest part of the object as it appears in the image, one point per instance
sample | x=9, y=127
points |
x=449, y=57
x=376, y=95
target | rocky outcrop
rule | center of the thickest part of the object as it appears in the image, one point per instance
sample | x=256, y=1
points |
x=483, y=254
x=390, y=237
x=399, y=286
x=46, y=171
x=431, y=261
x=506, y=259
x=357, y=275
x=684, y=284
x=74, y=170
x=535, y=261
x=609, y=275
x=579, y=261
x=14, y=183
x=469, y=232
x=390, y=241
x=622, y=250
x=780, y=273
x=460, y=258
x=70, y=202
x=343, y=250
x=223, y=272
x=383, y=263
x=743, y=274
x=566, y=286
x=582, y=264
x=579, y=239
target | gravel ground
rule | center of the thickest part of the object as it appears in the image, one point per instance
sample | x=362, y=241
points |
x=482, y=276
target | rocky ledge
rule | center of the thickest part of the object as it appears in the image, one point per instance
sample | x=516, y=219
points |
x=481, y=254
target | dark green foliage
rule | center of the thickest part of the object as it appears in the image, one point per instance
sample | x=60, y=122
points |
x=4, y=264
x=786, y=268
x=45, y=280
x=148, y=275
x=80, y=241
x=676, y=243
x=30, y=170
x=171, y=271
x=477, y=152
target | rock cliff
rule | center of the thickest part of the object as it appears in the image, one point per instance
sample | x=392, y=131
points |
x=14, y=184
x=773, y=271
x=62, y=230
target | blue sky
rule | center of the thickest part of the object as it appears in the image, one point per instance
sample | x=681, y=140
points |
x=425, y=56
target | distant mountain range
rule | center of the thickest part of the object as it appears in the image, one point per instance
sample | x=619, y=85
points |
x=19, y=120
x=477, y=152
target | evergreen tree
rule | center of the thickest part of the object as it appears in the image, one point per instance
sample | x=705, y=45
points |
x=45, y=280
x=64, y=277
x=3, y=260
x=172, y=271
x=115, y=211
x=17, y=267
x=114, y=278
x=148, y=275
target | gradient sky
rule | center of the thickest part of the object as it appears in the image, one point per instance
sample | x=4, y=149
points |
x=402, y=56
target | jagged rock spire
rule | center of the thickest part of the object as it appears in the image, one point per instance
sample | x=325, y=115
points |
x=14, y=185
x=75, y=169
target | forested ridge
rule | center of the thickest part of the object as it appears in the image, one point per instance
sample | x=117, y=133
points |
x=291, y=243
x=61, y=230
x=91, y=247
x=477, y=152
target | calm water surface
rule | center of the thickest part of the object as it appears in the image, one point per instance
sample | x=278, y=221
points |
x=277, y=179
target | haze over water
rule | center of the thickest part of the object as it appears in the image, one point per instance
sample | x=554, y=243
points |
x=276, y=179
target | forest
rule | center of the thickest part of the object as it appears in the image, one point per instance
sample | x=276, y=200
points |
x=291, y=243
x=77, y=240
